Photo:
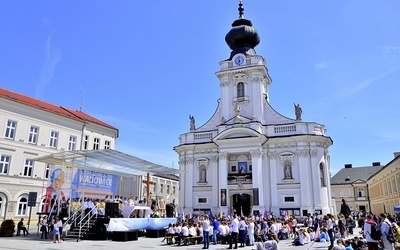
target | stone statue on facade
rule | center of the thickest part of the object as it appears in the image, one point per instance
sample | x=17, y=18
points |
x=298, y=111
x=192, y=123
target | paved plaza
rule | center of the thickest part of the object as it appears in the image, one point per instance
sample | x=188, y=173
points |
x=33, y=242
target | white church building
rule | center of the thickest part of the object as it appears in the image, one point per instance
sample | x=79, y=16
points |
x=247, y=157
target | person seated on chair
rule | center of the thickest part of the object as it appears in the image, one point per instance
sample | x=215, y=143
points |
x=20, y=226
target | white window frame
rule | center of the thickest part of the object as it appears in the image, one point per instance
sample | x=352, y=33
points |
x=5, y=163
x=96, y=143
x=53, y=139
x=10, y=130
x=85, y=142
x=72, y=143
x=47, y=171
x=107, y=144
x=22, y=206
x=3, y=202
x=28, y=168
x=33, y=135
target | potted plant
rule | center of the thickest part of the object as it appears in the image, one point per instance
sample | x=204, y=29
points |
x=7, y=228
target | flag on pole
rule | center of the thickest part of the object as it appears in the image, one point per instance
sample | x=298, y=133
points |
x=211, y=215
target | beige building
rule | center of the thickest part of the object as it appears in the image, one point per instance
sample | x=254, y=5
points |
x=350, y=184
x=30, y=128
x=384, y=187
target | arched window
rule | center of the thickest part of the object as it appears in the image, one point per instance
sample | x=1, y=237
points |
x=2, y=204
x=240, y=90
x=22, y=206
x=322, y=174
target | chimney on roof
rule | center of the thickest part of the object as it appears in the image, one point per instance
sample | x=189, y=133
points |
x=396, y=154
x=377, y=163
x=348, y=165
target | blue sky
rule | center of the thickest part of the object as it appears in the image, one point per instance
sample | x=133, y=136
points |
x=145, y=66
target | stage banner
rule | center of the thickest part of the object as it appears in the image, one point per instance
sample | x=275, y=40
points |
x=93, y=184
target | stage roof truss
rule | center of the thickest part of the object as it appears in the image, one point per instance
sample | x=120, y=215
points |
x=106, y=161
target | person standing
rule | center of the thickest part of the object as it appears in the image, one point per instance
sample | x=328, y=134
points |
x=371, y=243
x=329, y=226
x=385, y=228
x=206, y=232
x=215, y=225
x=345, y=209
x=242, y=232
x=234, y=232
x=250, y=232
x=43, y=226
x=56, y=230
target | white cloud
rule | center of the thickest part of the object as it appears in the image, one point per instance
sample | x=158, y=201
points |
x=367, y=82
x=390, y=50
x=53, y=56
x=321, y=65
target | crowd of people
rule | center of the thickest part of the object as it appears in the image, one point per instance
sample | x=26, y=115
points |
x=265, y=232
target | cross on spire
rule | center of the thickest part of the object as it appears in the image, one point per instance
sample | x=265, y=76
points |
x=241, y=9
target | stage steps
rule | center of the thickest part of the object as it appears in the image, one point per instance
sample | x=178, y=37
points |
x=93, y=229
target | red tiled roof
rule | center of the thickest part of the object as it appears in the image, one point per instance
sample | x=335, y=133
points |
x=76, y=115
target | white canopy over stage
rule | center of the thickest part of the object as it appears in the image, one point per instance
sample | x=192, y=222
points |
x=106, y=161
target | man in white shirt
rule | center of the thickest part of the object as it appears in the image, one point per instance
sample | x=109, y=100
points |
x=234, y=232
x=385, y=227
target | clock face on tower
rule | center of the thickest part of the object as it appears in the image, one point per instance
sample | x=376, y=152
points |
x=239, y=60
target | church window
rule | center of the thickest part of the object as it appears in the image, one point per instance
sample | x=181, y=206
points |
x=250, y=168
x=233, y=169
x=10, y=129
x=240, y=90
x=203, y=174
x=289, y=199
x=96, y=143
x=4, y=164
x=322, y=175
x=85, y=142
x=202, y=200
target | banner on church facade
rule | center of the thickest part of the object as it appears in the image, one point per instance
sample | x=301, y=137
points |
x=223, y=197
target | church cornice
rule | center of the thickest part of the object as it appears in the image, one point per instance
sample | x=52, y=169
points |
x=247, y=71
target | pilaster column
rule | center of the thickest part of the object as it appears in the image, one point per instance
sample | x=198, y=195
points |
x=274, y=206
x=223, y=180
x=305, y=176
x=257, y=164
x=189, y=162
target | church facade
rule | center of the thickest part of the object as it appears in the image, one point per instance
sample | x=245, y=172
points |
x=247, y=157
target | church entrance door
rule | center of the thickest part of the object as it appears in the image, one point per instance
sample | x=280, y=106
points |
x=241, y=204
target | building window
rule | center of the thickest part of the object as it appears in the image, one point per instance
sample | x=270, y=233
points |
x=85, y=142
x=10, y=129
x=250, y=168
x=5, y=164
x=33, y=135
x=240, y=90
x=96, y=143
x=202, y=200
x=322, y=175
x=28, y=168
x=173, y=190
x=289, y=199
x=22, y=206
x=72, y=143
x=161, y=188
x=53, y=139
x=203, y=174
x=168, y=189
x=47, y=171
x=107, y=144
x=233, y=169
x=2, y=204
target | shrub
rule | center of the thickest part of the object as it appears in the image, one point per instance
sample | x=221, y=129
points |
x=7, y=228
